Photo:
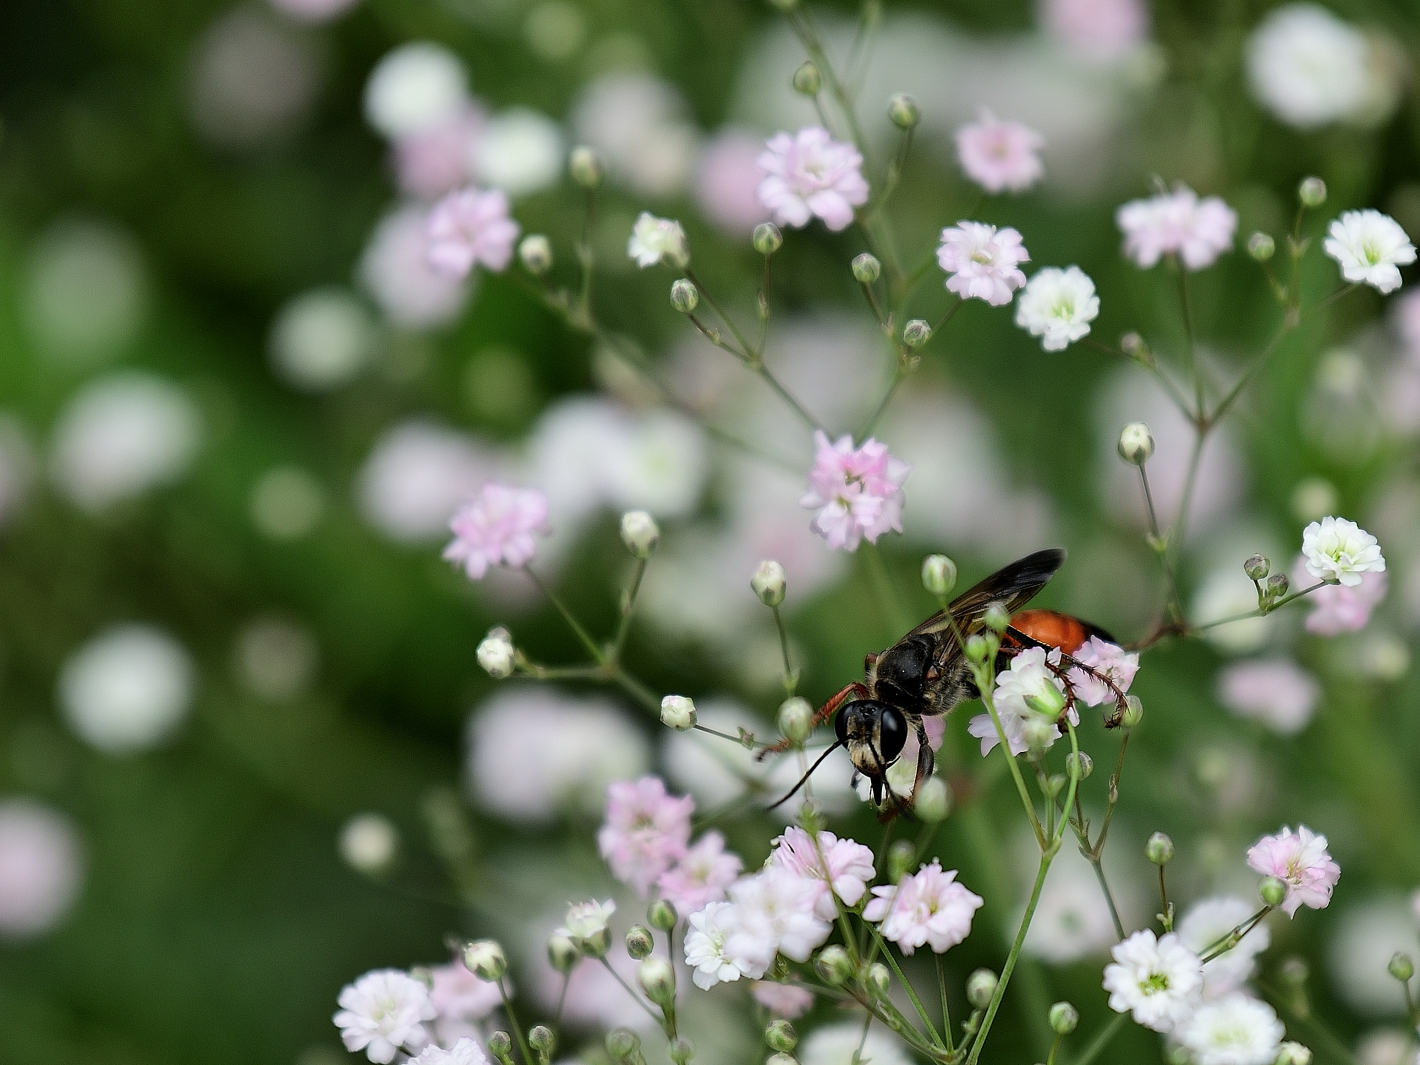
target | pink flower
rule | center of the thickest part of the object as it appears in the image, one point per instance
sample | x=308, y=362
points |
x=1177, y=223
x=1300, y=859
x=844, y=863
x=1114, y=662
x=1274, y=691
x=497, y=528
x=434, y=160
x=701, y=876
x=1099, y=29
x=782, y=1000
x=1405, y=315
x=925, y=907
x=982, y=261
x=469, y=227
x=810, y=174
x=646, y=831
x=857, y=493
x=727, y=179
x=461, y=999
x=1000, y=155
x=1337, y=608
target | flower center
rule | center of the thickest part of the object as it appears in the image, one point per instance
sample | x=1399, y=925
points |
x=1154, y=983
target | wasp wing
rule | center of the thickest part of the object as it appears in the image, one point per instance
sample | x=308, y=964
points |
x=1012, y=586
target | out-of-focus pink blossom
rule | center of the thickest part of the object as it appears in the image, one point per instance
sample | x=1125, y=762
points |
x=1405, y=313
x=702, y=876
x=809, y=173
x=844, y=863
x=469, y=227
x=856, y=491
x=395, y=269
x=497, y=529
x=1275, y=691
x=1097, y=29
x=462, y=999
x=925, y=907
x=646, y=831
x=1177, y=223
x=983, y=261
x=998, y=155
x=1337, y=608
x=1300, y=859
x=40, y=868
x=727, y=178
x=1113, y=661
x=782, y=1000
x=432, y=161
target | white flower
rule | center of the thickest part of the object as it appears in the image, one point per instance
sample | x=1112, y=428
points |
x=654, y=239
x=321, y=340
x=85, y=294
x=1308, y=67
x=776, y=912
x=838, y=1044
x=1209, y=920
x=587, y=919
x=368, y=843
x=678, y=712
x=520, y=151
x=383, y=1013
x=1029, y=678
x=705, y=950
x=415, y=87
x=1340, y=551
x=1058, y=306
x=1369, y=247
x=638, y=125
x=41, y=865
x=1237, y=1030
x=127, y=689
x=496, y=653
x=465, y=1052
x=1157, y=980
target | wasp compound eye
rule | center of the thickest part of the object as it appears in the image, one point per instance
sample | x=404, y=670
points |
x=892, y=733
x=840, y=724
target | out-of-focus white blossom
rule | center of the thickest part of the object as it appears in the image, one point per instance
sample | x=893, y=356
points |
x=395, y=270
x=286, y=503
x=1358, y=947
x=414, y=87
x=85, y=293
x=1099, y=30
x=369, y=843
x=1236, y=1030
x=638, y=125
x=1274, y=691
x=127, y=689
x=520, y=151
x=840, y=1044
x=417, y=475
x=322, y=339
x=41, y=867
x=1207, y=921
x=276, y=659
x=252, y=79
x=1308, y=67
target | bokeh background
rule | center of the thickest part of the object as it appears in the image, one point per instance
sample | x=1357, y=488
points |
x=236, y=412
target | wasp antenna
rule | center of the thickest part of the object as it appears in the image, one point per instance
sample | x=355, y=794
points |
x=805, y=778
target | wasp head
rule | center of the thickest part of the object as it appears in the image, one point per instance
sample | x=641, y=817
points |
x=874, y=734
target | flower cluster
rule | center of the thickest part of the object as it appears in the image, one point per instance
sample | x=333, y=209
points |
x=857, y=492
x=1029, y=699
x=388, y=1013
x=646, y=831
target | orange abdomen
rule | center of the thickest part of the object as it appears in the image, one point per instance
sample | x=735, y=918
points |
x=1055, y=630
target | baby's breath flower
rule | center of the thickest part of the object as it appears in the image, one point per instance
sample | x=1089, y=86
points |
x=1156, y=980
x=497, y=529
x=656, y=239
x=496, y=653
x=1177, y=223
x=983, y=261
x=1000, y=156
x=857, y=492
x=468, y=228
x=1058, y=306
x=1339, y=551
x=1370, y=247
x=383, y=1013
x=809, y=173
x=1237, y=1030
x=1300, y=860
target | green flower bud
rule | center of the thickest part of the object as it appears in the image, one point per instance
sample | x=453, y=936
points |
x=1312, y=192
x=903, y=111
x=1159, y=849
x=934, y=800
x=768, y=582
x=807, y=81
x=542, y=1039
x=500, y=1045
x=640, y=533
x=678, y=712
x=535, y=253
x=780, y=1036
x=796, y=719
x=585, y=166
x=562, y=953
x=1272, y=890
x=1401, y=967
x=1290, y=1053
x=902, y=855
x=1257, y=567
x=997, y=618
x=834, y=966
x=621, y=1043
x=486, y=959
x=681, y=1050
x=662, y=915
x=1276, y=586
x=767, y=238
x=878, y=979
x=977, y=648
x=685, y=297
x=1136, y=443
x=939, y=575
x=1133, y=711
x=916, y=333
x=639, y=943
x=980, y=986
x=1079, y=765
x=657, y=979
x=781, y=1059
x=1063, y=1018
x=866, y=268
x=1261, y=247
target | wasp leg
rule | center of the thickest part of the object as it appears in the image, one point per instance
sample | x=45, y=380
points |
x=926, y=761
x=856, y=690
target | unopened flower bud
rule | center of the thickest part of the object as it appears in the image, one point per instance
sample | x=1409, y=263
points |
x=767, y=238
x=780, y=1036
x=980, y=986
x=997, y=618
x=678, y=712
x=1261, y=246
x=662, y=915
x=621, y=1043
x=496, y=653
x=939, y=575
x=781, y=1059
x=1312, y=192
x=834, y=965
x=657, y=979
x=1273, y=890
x=685, y=297
x=1136, y=443
x=934, y=800
x=878, y=978
x=500, y=1045
x=542, y=1039
x=1277, y=586
x=1048, y=701
x=866, y=268
x=903, y=111
x=1063, y=1018
x=1257, y=567
x=639, y=943
x=369, y=843
x=680, y=1050
x=562, y=953
x=1294, y=971
x=900, y=858
x=807, y=81
x=585, y=166
x=640, y=533
x=1290, y=1053
x=768, y=582
x=1079, y=765
x=796, y=719
x=1159, y=849
x=1133, y=711
x=485, y=959
x=1132, y=344
x=1401, y=967
x=535, y=253
x=916, y=333
x=977, y=648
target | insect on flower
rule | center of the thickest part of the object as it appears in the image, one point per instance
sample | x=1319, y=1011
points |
x=926, y=673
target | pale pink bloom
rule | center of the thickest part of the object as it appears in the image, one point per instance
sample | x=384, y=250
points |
x=1335, y=608
x=857, y=492
x=727, y=178
x=1113, y=661
x=1405, y=314
x=982, y=261
x=646, y=831
x=461, y=999
x=1000, y=155
x=434, y=160
x=782, y=1000
x=1029, y=675
x=1300, y=859
x=927, y=906
x=41, y=866
x=844, y=863
x=1177, y=223
x=774, y=911
x=497, y=529
x=469, y=227
x=701, y=876
x=1099, y=29
x=383, y=1013
x=809, y=173
x=465, y=1052
x=1274, y=691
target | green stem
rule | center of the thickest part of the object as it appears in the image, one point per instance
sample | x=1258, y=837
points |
x=1005, y=746
x=627, y=607
x=513, y=1023
x=638, y=691
x=1259, y=613
x=638, y=999
x=791, y=677
x=587, y=642
x=907, y=986
x=946, y=1013
x=1102, y=1040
